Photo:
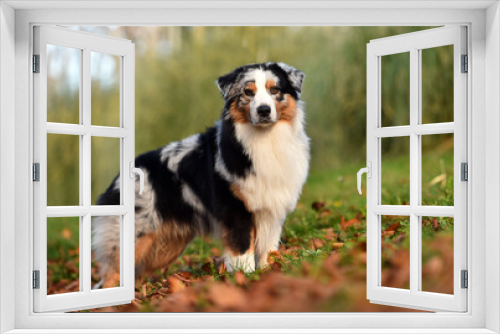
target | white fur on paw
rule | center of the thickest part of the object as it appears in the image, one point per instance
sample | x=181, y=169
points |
x=245, y=262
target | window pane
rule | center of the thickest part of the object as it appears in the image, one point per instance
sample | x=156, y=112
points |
x=395, y=171
x=63, y=255
x=105, y=89
x=63, y=84
x=437, y=84
x=63, y=170
x=437, y=254
x=106, y=234
x=437, y=169
x=395, y=95
x=105, y=167
x=395, y=252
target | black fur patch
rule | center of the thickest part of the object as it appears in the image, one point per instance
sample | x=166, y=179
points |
x=225, y=82
x=167, y=187
x=237, y=162
x=285, y=85
x=197, y=170
x=111, y=196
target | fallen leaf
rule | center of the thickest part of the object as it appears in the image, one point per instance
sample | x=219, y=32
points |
x=227, y=296
x=222, y=268
x=435, y=224
x=185, y=274
x=207, y=267
x=240, y=278
x=66, y=233
x=274, y=256
x=337, y=245
x=393, y=227
x=330, y=234
x=317, y=243
x=318, y=205
x=387, y=234
x=348, y=223
x=175, y=284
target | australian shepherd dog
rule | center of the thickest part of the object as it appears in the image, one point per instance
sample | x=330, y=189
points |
x=237, y=180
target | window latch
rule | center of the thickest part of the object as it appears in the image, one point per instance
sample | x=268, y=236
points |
x=368, y=171
x=138, y=171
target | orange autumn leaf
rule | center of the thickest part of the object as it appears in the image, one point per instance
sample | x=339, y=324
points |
x=393, y=227
x=337, y=245
x=348, y=223
x=240, y=278
x=227, y=296
x=330, y=234
x=317, y=243
x=66, y=233
x=274, y=256
x=175, y=284
x=387, y=234
x=222, y=268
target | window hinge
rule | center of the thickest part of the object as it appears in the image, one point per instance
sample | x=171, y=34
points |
x=465, y=63
x=464, y=173
x=465, y=279
x=36, y=63
x=36, y=172
x=36, y=279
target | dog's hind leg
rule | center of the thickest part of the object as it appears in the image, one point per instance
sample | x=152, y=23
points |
x=106, y=245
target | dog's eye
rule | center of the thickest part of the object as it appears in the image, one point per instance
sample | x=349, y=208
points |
x=249, y=92
x=274, y=90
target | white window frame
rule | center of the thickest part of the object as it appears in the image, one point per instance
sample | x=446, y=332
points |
x=483, y=129
x=85, y=43
x=413, y=44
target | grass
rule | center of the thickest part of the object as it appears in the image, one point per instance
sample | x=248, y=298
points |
x=323, y=241
x=321, y=263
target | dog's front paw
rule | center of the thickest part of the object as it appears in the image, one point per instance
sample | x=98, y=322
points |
x=244, y=262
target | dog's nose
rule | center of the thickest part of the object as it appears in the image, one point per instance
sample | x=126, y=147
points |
x=264, y=111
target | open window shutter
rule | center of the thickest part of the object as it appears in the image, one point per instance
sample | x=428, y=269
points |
x=414, y=296
x=83, y=131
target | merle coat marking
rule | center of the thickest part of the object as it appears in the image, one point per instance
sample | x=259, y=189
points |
x=237, y=180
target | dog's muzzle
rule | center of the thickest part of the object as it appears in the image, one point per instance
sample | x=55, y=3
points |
x=264, y=115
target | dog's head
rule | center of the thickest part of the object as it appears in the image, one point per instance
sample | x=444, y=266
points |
x=262, y=94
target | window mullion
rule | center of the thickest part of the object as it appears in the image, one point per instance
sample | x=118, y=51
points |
x=85, y=166
x=414, y=171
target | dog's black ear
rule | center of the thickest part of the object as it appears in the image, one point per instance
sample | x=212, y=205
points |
x=295, y=76
x=225, y=83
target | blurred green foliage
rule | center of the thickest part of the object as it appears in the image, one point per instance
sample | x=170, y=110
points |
x=176, y=96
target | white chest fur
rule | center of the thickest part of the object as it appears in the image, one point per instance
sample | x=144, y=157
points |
x=280, y=162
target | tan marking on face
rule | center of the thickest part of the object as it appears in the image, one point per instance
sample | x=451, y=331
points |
x=240, y=113
x=287, y=109
x=252, y=87
x=270, y=84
